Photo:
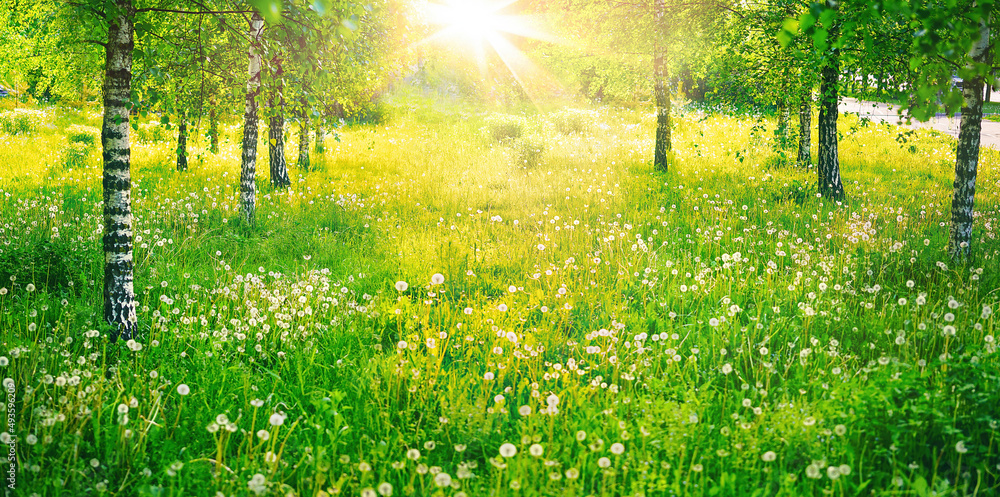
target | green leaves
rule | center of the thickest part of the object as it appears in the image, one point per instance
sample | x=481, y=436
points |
x=270, y=10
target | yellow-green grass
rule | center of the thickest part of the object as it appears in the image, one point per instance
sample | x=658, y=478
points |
x=714, y=330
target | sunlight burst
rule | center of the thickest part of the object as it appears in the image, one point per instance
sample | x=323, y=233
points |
x=480, y=24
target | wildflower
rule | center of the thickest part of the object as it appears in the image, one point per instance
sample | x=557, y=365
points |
x=617, y=448
x=812, y=471
x=429, y=445
x=961, y=448
x=572, y=473
x=460, y=447
x=844, y=469
x=502, y=307
x=512, y=289
x=581, y=436
x=263, y=435
x=277, y=419
x=697, y=468
x=840, y=430
x=413, y=454
x=30, y=287
x=368, y=492
x=437, y=279
x=524, y=410
x=769, y=456
x=833, y=472
x=604, y=462
x=401, y=286
x=385, y=489
x=442, y=479
x=536, y=450
x=488, y=376
x=727, y=368
x=508, y=450
x=468, y=311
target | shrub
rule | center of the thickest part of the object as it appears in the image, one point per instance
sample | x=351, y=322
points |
x=20, y=121
x=76, y=155
x=573, y=120
x=529, y=150
x=84, y=135
x=504, y=127
x=151, y=132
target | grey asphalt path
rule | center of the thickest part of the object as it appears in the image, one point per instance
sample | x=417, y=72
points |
x=881, y=112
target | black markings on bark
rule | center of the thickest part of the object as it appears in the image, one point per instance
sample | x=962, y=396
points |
x=661, y=90
x=248, y=172
x=967, y=155
x=805, y=129
x=828, y=168
x=182, y=161
x=119, y=295
x=303, y=161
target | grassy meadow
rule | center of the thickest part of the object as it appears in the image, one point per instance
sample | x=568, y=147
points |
x=460, y=302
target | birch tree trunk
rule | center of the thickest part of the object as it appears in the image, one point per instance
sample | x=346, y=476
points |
x=805, y=129
x=304, y=142
x=276, y=133
x=784, y=118
x=248, y=185
x=319, y=137
x=119, y=294
x=828, y=168
x=213, y=130
x=967, y=153
x=661, y=90
x=182, y=161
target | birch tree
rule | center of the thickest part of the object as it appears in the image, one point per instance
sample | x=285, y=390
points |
x=661, y=88
x=248, y=180
x=119, y=294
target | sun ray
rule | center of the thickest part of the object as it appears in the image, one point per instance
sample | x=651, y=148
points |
x=479, y=25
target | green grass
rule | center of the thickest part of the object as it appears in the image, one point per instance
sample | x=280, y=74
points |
x=715, y=330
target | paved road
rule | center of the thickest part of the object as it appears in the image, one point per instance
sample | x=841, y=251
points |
x=880, y=112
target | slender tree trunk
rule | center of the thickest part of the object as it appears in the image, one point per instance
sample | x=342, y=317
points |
x=661, y=89
x=248, y=181
x=805, y=129
x=319, y=137
x=830, y=185
x=967, y=153
x=784, y=118
x=304, y=142
x=276, y=132
x=182, y=131
x=119, y=294
x=213, y=130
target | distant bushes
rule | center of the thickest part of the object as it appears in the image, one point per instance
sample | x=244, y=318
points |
x=82, y=139
x=151, y=132
x=574, y=120
x=20, y=121
x=84, y=135
x=529, y=150
x=527, y=143
x=505, y=127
